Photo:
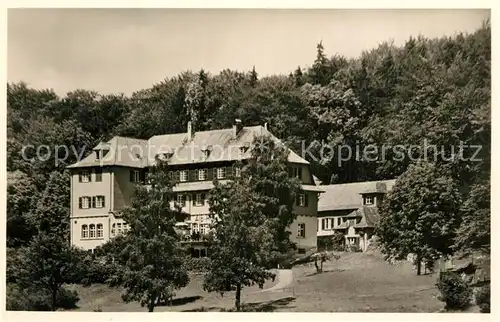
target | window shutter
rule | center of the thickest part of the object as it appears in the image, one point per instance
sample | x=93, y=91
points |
x=178, y=175
x=215, y=173
x=323, y=222
x=103, y=201
x=79, y=177
x=306, y=199
x=300, y=174
x=297, y=200
x=193, y=173
x=210, y=175
x=90, y=176
x=131, y=175
x=80, y=202
x=93, y=202
x=229, y=172
x=143, y=175
x=203, y=196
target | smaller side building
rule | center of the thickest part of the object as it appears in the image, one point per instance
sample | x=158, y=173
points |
x=351, y=209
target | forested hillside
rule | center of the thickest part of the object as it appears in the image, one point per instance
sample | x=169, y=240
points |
x=434, y=89
x=428, y=90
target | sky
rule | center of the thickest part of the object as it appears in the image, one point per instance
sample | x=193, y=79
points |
x=125, y=50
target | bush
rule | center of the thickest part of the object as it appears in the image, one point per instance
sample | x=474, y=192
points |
x=332, y=243
x=483, y=299
x=455, y=292
x=38, y=299
x=353, y=248
x=32, y=299
x=197, y=264
x=67, y=299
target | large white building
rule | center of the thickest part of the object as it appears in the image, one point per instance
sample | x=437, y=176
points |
x=102, y=183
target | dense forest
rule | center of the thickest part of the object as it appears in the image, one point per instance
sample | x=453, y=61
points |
x=427, y=90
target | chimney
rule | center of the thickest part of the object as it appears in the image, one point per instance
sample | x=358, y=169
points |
x=190, y=132
x=237, y=127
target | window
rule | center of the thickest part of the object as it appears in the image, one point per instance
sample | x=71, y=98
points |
x=99, y=202
x=301, y=231
x=92, y=231
x=135, y=176
x=113, y=230
x=119, y=230
x=84, y=202
x=84, y=176
x=100, y=231
x=237, y=172
x=203, y=229
x=221, y=173
x=85, y=231
x=352, y=222
x=98, y=154
x=125, y=227
x=301, y=200
x=368, y=200
x=199, y=199
x=98, y=174
x=202, y=174
x=297, y=172
x=302, y=250
x=183, y=176
x=181, y=200
x=325, y=224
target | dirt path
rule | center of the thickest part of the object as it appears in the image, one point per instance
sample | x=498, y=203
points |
x=285, y=278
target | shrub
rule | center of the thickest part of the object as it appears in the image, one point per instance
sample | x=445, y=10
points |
x=332, y=243
x=32, y=299
x=67, y=299
x=455, y=292
x=38, y=299
x=197, y=264
x=483, y=299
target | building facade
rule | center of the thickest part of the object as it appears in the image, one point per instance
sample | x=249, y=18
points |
x=102, y=184
x=352, y=210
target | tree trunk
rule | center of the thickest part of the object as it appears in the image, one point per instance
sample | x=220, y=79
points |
x=238, y=297
x=419, y=265
x=318, y=269
x=54, y=298
x=151, y=304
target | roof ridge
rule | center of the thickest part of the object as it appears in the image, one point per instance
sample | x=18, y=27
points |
x=358, y=182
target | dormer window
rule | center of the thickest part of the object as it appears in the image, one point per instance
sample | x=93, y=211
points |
x=101, y=150
x=368, y=200
x=206, y=151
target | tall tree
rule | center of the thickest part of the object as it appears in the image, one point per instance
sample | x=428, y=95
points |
x=474, y=233
x=152, y=258
x=420, y=215
x=48, y=261
x=271, y=180
x=241, y=241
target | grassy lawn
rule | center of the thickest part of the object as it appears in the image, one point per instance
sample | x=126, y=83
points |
x=356, y=282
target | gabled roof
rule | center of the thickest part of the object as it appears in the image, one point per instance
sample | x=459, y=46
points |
x=369, y=217
x=141, y=153
x=123, y=151
x=348, y=195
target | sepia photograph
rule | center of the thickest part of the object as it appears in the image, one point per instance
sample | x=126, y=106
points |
x=248, y=160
